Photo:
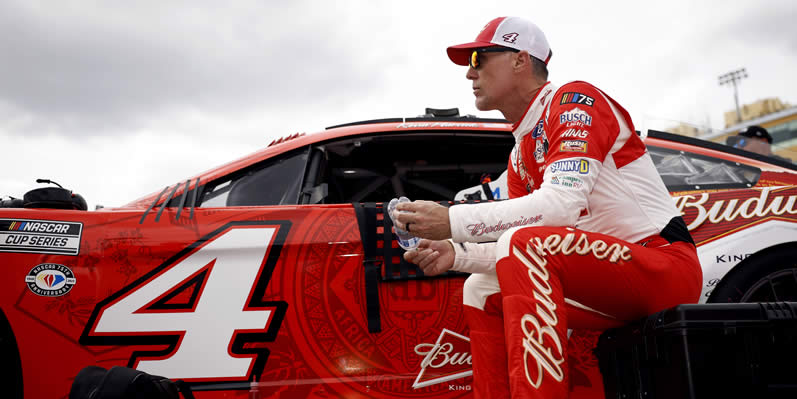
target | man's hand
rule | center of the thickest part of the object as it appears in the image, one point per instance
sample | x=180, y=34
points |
x=433, y=257
x=426, y=219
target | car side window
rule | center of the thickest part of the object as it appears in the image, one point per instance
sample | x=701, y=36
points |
x=424, y=165
x=273, y=182
x=683, y=171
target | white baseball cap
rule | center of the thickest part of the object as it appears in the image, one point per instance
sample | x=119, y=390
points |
x=512, y=32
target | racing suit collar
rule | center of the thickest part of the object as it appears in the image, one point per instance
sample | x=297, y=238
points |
x=528, y=107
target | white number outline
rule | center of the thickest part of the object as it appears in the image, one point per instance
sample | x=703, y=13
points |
x=239, y=339
x=510, y=37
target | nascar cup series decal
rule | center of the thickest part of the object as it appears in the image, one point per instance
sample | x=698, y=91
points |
x=50, y=279
x=40, y=236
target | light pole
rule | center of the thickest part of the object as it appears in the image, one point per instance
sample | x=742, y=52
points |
x=733, y=77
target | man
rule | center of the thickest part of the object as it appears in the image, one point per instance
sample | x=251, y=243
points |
x=589, y=239
x=755, y=139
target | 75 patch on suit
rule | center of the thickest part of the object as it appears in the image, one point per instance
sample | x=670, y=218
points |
x=577, y=98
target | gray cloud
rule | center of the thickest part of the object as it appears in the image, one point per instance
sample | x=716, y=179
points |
x=86, y=71
x=768, y=23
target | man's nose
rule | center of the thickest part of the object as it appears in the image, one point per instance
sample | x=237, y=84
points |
x=471, y=74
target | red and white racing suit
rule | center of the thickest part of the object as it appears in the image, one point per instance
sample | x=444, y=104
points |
x=590, y=239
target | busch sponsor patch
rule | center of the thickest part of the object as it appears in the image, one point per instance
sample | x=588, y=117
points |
x=575, y=117
x=573, y=146
x=50, y=279
x=570, y=165
x=577, y=98
x=40, y=236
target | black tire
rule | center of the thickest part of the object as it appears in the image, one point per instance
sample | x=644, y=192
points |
x=10, y=364
x=769, y=276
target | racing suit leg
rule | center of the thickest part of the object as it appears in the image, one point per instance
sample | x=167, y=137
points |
x=583, y=373
x=484, y=315
x=538, y=266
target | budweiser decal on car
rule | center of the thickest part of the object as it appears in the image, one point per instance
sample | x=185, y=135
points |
x=733, y=210
x=445, y=360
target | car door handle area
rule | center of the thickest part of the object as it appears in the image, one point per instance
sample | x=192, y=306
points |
x=383, y=261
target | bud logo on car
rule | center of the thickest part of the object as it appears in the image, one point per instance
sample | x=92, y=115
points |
x=40, y=236
x=447, y=359
x=50, y=279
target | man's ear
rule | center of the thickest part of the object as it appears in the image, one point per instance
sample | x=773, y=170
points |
x=521, y=61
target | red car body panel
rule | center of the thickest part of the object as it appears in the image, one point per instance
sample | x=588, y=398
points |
x=271, y=301
x=320, y=347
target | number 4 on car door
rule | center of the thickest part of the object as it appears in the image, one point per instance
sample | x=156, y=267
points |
x=228, y=271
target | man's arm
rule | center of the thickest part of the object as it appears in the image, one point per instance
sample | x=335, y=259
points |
x=582, y=131
x=437, y=257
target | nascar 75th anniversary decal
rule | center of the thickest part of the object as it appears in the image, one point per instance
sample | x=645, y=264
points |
x=50, y=279
x=40, y=236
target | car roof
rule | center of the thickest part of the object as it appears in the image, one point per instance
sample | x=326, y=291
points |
x=442, y=124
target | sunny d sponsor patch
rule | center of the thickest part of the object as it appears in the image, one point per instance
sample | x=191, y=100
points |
x=570, y=165
x=40, y=236
x=573, y=146
x=50, y=279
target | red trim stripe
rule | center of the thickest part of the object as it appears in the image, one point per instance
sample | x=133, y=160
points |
x=631, y=150
x=487, y=33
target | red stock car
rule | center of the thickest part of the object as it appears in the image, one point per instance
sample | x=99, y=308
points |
x=276, y=275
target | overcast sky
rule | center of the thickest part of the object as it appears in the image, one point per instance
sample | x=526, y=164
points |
x=119, y=99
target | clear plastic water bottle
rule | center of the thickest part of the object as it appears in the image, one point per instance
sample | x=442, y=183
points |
x=405, y=239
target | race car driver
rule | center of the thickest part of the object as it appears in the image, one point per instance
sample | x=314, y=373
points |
x=589, y=239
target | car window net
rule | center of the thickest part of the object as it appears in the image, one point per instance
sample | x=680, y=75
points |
x=681, y=170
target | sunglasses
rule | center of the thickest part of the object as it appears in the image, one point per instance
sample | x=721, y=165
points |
x=736, y=141
x=741, y=143
x=474, y=60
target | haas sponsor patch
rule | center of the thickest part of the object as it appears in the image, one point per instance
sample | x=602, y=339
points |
x=575, y=133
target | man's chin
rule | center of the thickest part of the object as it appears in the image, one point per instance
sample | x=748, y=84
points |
x=483, y=105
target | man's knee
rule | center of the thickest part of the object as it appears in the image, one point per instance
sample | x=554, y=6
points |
x=478, y=287
x=519, y=235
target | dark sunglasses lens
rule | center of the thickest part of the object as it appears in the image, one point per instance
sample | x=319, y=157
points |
x=474, y=59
